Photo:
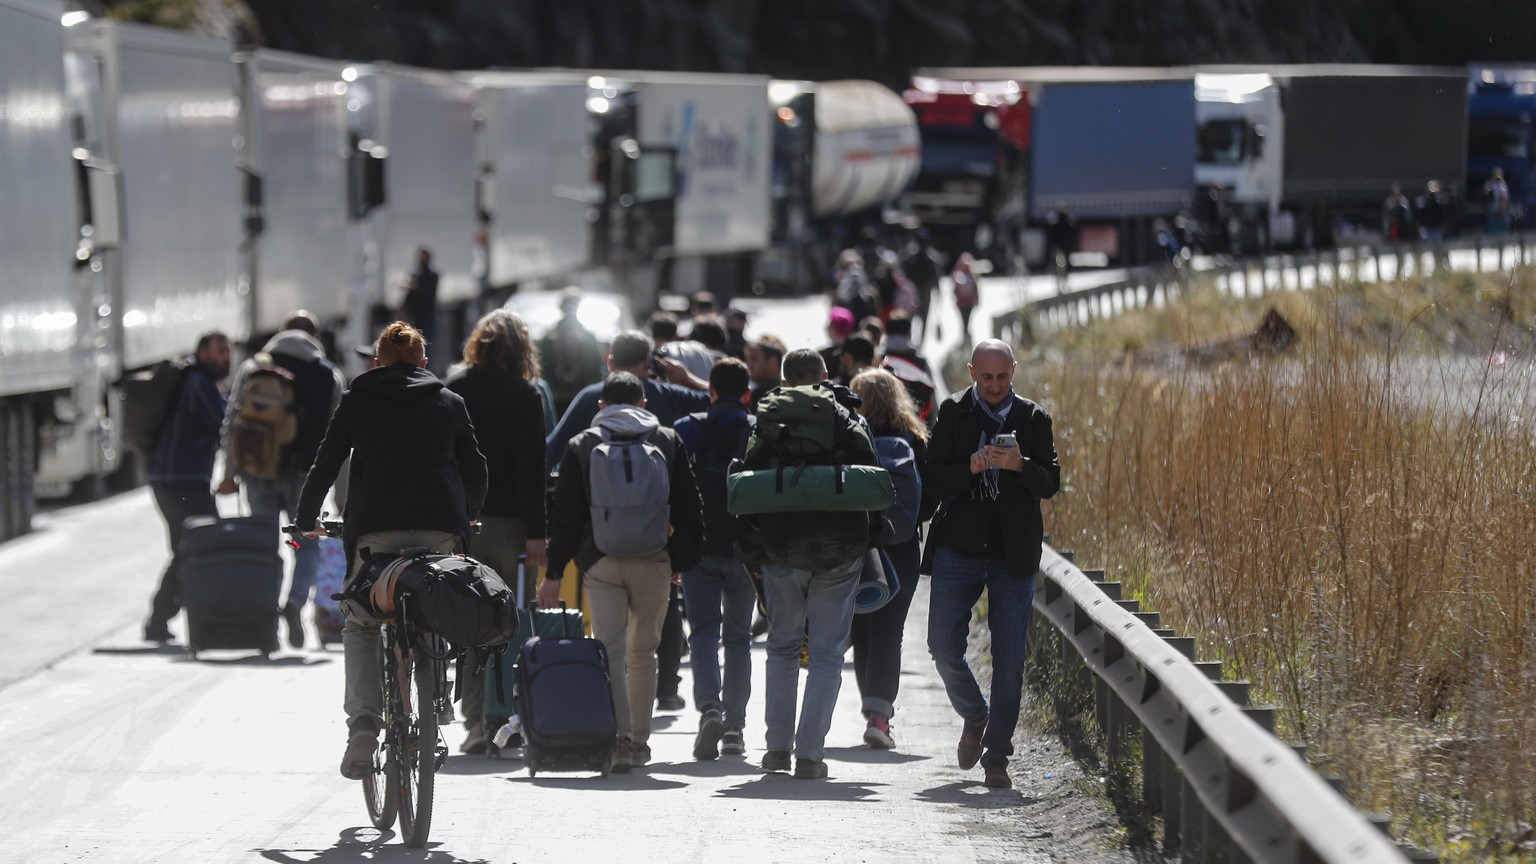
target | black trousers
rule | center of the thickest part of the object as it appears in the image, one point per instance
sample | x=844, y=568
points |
x=669, y=654
x=877, y=635
x=177, y=503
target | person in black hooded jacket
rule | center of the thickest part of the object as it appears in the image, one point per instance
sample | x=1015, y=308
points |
x=417, y=480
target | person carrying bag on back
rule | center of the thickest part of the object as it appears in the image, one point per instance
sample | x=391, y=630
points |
x=811, y=557
x=627, y=512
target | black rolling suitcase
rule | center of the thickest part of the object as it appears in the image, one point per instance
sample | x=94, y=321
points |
x=566, y=708
x=231, y=575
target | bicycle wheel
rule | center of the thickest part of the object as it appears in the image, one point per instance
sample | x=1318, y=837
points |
x=418, y=760
x=379, y=791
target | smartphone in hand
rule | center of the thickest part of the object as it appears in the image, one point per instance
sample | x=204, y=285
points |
x=1004, y=439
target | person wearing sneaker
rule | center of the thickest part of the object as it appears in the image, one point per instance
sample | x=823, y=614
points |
x=496, y=384
x=718, y=594
x=317, y=385
x=634, y=473
x=991, y=461
x=877, y=635
x=417, y=479
x=811, y=565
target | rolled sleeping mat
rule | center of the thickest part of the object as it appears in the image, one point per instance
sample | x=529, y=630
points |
x=877, y=582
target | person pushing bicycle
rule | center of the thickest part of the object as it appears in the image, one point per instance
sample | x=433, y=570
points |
x=417, y=480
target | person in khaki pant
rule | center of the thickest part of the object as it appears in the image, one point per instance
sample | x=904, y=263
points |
x=627, y=594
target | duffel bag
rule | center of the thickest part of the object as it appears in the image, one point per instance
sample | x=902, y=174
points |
x=809, y=489
x=454, y=596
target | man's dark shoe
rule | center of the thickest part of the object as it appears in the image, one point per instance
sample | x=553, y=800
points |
x=158, y=633
x=811, y=769
x=357, y=763
x=672, y=702
x=642, y=754
x=706, y=745
x=733, y=743
x=623, y=756
x=997, y=775
x=969, y=751
x=295, y=625
x=776, y=761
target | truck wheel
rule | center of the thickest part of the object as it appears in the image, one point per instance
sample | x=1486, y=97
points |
x=8, y=481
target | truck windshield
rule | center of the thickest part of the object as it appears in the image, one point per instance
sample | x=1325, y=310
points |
x=958, y=158
x=1221, y=142
x=1499, y=140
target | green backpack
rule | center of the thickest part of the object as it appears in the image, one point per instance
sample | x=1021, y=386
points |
x=794, y=425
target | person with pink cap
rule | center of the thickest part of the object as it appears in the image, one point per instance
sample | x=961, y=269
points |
x=840, y=324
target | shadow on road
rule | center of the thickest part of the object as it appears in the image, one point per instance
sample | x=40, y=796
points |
x=258, y=661
x=366, y=844
x=871, y=756
x=778, y=787
x=463, y=765
x=726, y=766
x=146, y=650
x=595, y=783
x=970, y=793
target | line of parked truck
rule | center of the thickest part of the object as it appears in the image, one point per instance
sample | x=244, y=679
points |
x=1263, y=157
x=155, y=185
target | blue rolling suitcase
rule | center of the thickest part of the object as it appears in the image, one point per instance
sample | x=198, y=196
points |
x=566, y=707
x=501, y=677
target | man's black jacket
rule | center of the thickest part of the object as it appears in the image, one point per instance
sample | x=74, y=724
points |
x=961, y=523
x=415, y=464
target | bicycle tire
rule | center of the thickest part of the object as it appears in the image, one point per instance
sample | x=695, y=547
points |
x=379, y=791
x=418, y=762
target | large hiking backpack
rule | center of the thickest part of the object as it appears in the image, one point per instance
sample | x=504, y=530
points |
x=795, y=424
x=149, y=397
x=453, y=596
x=266, y=422
x=629, y=486
x=900, y=462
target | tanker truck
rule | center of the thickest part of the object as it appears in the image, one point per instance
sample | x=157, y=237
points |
x=842, y=151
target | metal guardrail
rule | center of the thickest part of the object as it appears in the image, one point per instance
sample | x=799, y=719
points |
x=1226, y=788
x=1256, y=276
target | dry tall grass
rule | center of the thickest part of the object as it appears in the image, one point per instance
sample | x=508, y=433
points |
x=1350, y=527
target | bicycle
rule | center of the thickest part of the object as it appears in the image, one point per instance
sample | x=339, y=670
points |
x=401, y=782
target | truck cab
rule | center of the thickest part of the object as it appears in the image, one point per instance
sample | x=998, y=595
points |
x=1501, y=133
x=1238, y=163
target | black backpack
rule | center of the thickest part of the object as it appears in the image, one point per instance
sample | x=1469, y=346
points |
x=720, y=442
x=453, y=596
x=149, y=397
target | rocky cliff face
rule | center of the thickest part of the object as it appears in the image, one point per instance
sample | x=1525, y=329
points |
x=881, y=39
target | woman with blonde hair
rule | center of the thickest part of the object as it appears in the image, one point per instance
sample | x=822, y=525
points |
x=496, y=383
x=877, y=635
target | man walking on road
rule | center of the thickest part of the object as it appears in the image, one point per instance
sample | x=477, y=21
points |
x=811, y=565
x=181, y=467
x=317, y=386
x=634, y=472
x=991, y=460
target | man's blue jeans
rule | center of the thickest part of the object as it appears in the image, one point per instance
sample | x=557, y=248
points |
x=276, y=499
x=955, y=587
x=817, y=606
x=719, y=599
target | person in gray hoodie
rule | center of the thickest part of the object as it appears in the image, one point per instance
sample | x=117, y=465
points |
x=317, y=385
x=627, y=563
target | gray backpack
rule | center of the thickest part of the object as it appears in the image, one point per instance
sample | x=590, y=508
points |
x=629, y=485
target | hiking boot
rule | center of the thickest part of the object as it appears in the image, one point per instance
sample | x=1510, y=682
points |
x=997, y=775
x=357, y=763
x=295, y=625
x=623, y=756
x=642, y=754
x=706, y=745
x=672, y=702
x=776, y=761
x=969, y=751
x=810, y=769
x=733, y=743
x=877, y=733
